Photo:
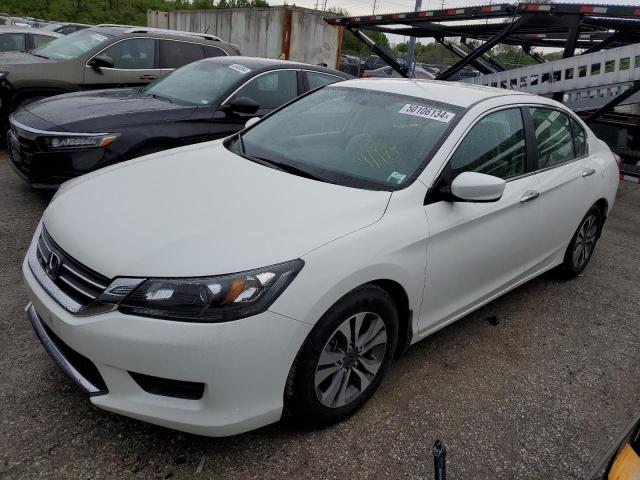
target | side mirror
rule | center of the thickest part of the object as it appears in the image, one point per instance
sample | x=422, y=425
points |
x=251, y=121
x=477, y=187
x=241, y=105
x=101, y=61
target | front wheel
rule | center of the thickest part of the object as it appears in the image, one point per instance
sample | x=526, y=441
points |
x=583, y=243
x=345, y=357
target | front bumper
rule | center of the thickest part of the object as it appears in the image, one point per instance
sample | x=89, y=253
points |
x=243, y=364
x=43, y=168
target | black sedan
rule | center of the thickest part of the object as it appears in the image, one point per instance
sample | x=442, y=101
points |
x=58, y=138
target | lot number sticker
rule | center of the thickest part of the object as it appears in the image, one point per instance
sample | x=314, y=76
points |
x=427, y=112
x=239, y=68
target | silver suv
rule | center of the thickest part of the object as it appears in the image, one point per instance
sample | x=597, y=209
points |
x=105, y=56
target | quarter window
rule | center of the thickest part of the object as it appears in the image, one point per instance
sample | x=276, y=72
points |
x=272, y=89
x=177, y=54
x=494, y=146
x=553, y=136
x=579, y=138
x=213, y=51
x=317, y=79
x=136, y=53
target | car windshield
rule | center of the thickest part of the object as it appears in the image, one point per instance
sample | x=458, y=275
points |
x=352, y=136
x=72, y=45
x=199, y=83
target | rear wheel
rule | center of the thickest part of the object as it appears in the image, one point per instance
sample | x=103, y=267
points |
x=345, y=357
x=583, y=243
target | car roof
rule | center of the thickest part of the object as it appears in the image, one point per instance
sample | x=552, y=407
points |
x=258, y=63
x=35, y=31
x=454, y=93
x=118, y=30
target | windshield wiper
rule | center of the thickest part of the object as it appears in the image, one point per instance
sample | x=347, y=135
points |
x=37, y=54
x=160, y=97
x=287, y=167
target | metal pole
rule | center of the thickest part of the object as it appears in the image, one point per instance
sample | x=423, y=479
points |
x=412, y=46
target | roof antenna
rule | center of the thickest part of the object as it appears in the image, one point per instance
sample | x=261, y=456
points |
x=207, y=29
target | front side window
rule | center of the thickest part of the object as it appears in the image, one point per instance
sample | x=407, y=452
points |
x=317, y=79
x=553, y=136
x=354, y=137
x=494, y=146
x=272, y=89
x=132, y=54
x=198, y=83
x=176, y=54
x=73, y=45
x=10, y=42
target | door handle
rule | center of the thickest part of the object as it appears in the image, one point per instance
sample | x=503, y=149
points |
x=528, y=196
x=587, y=172
x=148, y=77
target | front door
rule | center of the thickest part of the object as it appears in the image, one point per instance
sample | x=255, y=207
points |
x=476, y=250
x=134, y=64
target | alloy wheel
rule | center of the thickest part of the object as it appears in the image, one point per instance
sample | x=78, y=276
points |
x=585, y=241
x=351, y=359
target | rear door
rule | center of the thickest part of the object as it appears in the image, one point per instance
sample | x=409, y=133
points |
x=134, y=64
x=174, y=54
x=477, y=249
x=567, y=177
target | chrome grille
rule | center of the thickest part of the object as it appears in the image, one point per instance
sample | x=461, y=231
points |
x=74, y=279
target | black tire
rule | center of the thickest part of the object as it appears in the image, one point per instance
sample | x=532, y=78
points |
x=301, y=397
x=585, y=238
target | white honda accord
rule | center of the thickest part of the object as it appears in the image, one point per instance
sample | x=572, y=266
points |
x=213, y=287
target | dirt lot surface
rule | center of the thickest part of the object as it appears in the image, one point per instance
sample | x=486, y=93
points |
x=539, y=394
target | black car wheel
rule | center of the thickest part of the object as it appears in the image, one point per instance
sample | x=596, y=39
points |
x=583, y=243
x=345, y=357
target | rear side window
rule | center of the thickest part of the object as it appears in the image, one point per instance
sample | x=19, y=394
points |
x=317, y=79
x=272, y=89
x=210, y=51
x=135, y=53
x=494, y=146
x=40, y=40
x=12, y=41
x=579, y=138
x=553, y=136
x=177, y=54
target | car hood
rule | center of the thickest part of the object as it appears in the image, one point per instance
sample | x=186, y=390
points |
x=201, y=210
x=103, y=110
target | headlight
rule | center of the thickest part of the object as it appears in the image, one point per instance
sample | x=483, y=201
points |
x=80, y=141
x=211, y=299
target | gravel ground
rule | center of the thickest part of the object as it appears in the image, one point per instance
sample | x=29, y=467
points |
x=541, y=393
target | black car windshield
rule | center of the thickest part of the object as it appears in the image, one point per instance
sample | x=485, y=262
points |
x=354, y=137
x=72, y=45
x=198, y=83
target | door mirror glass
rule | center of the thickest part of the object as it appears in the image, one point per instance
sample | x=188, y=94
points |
x=477, y=187
x=101, y=61
x=251, y=121
x=242, y=105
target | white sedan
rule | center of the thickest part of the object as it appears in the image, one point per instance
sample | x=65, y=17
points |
x=212, y=287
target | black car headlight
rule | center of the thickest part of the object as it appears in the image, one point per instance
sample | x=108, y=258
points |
x=211, y=299
x=80, y=141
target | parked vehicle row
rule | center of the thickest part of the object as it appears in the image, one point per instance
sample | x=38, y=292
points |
x=212, y=287
x=97, y=58
x=20, y=39
x=68, y=135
